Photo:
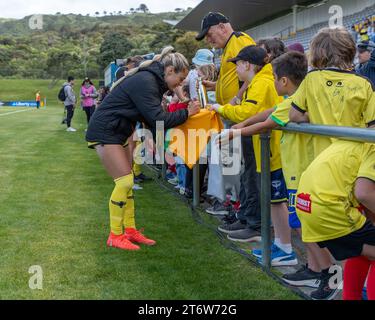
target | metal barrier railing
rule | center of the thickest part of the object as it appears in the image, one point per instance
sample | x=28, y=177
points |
x=344, y=133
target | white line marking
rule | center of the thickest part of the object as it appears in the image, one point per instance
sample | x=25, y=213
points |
x=8, y=113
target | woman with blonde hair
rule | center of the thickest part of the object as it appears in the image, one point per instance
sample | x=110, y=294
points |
x=134, y=98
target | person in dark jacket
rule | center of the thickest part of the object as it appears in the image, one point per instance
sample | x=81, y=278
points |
x=135, y=98
x=130, y=63
x=368, y=68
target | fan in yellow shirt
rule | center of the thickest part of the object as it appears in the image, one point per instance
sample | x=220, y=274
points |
x=259, y=96
x=330, y=94
x=329, y=196
x=219, y=33
x=326, y=204
x=296, y=154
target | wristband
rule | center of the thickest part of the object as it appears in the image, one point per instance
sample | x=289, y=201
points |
x=237, y=100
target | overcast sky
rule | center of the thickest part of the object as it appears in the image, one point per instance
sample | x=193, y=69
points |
x=22, y=8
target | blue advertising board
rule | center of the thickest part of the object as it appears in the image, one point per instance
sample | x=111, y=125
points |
x=110, y=74
x=31, y=104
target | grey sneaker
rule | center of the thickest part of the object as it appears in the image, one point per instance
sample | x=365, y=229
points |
x=232, y=228
x=218, y=209
x=304, y=277
x=245, y=235
x=325, y=292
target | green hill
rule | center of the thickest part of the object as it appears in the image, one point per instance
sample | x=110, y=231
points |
x=83, y=45
x=61, y=23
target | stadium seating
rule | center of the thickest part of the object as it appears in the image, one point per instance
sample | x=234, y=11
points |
x=304, y=36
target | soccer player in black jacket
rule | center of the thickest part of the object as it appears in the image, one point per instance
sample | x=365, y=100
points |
x=135, y=98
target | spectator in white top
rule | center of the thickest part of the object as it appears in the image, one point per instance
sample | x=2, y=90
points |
x=202, y=57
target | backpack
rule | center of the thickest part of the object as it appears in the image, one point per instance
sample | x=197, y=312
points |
x=61, y=96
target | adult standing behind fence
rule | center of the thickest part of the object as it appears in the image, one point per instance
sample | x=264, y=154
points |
x=220, y=35
x=70, y=102
x=88, y=96
x=367, y=69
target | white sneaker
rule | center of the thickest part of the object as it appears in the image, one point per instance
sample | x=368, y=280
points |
x=173, y=181
x=137, y=187
x=70, y=129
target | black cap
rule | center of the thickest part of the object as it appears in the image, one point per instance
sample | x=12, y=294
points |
x=366, y=46
x=253, y=54
x=211, y=19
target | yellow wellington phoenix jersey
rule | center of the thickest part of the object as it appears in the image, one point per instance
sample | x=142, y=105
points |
x=189, y=139
x=227, y=85
x=259, y=96
x=335, y=97
x=326, y=204
x=296, y=151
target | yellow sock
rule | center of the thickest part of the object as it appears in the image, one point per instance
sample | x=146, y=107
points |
x=129, y=213
x=137, y=168
x=117, y=203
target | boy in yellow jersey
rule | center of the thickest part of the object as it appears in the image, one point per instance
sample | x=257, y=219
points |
x=331, y=94
x=296, y=154
x=261, y=95
x=329, y=196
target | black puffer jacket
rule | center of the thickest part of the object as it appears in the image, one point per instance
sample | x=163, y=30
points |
x=137, y=98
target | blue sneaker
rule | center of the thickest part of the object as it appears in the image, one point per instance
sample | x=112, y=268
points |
x=280, y=258
x=258, y=252
x=364, y=294
x=170, y=176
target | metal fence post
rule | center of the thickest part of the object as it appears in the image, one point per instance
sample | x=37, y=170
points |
x=164, y=169
x=196, y=186
x=266, y=199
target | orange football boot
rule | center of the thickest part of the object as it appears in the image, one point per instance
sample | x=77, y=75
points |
x=137, y=236
x=121, y=242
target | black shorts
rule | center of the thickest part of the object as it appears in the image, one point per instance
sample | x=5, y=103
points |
x=351, y=245
x=279, y=192
x=116, y=131
x=93, y=145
